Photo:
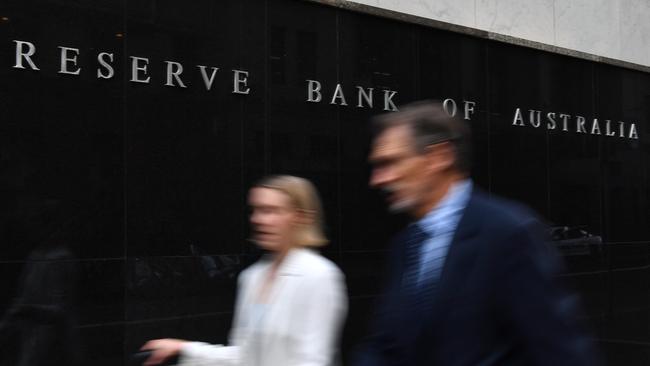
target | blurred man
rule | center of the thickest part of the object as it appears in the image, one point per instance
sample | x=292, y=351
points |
x=471, y=280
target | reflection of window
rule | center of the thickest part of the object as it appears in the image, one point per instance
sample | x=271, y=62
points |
x=277, y=55
x=575, y=241
x=375, y=59
x=568, y=233
x=307, y=46
x=574, y=233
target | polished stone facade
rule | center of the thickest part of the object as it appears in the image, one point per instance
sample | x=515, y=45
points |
x=145, y=184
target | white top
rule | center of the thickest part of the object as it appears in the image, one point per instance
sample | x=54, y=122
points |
x=301, y=321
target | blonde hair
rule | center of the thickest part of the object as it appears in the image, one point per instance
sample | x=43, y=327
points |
x=304, y=197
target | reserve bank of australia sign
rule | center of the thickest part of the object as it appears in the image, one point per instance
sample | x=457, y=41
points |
x=317, y=92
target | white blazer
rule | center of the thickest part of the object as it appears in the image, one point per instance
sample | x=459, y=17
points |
x=299, y=325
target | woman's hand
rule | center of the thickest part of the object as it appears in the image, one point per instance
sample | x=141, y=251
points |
x=162, y=350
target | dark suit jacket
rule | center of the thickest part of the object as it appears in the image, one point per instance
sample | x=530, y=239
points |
x=496, y=302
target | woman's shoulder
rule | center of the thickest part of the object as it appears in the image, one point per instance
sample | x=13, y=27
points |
x=253, y=270
x=312, y=263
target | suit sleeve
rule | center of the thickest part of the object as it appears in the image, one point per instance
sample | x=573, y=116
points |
x=319, y=318
x=543, y=314
x=371, y=351
x=205, y=354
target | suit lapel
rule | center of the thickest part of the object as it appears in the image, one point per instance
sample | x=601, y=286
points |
x=468, y=226
x=455, y=266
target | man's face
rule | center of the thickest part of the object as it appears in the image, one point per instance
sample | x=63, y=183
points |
x=399, y=170
x=272, y=218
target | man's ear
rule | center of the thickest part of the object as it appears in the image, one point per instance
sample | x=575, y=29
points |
x=441, y=156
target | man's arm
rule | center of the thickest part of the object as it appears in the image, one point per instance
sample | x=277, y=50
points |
x=543, y=314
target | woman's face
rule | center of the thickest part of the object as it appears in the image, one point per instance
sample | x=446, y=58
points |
x=273, y=218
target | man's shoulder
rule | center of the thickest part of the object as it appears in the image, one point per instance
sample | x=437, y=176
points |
x=502, y=229
x=496, y=210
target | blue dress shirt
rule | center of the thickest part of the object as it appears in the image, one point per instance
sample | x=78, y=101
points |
x=440, y=225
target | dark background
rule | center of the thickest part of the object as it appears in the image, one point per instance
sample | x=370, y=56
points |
x=145, y=184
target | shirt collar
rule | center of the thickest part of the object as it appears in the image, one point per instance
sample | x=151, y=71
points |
x=454, y=200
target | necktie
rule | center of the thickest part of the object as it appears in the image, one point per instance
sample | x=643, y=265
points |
x=418, y=280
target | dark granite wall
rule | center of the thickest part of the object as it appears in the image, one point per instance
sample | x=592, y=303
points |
x=140, y=187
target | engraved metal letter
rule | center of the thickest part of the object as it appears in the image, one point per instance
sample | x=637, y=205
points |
x=21, y=54
x=534, y=117
x=595, y=127
x=174, y=69
x=469, y=108
x=565, y=118
x=366, y=96
x=104, y=63
x=204, y=75
x=388, y=100
x=633, y=134
x=518, y=120
x=550, y=117
x=313, y=88
x=338, y=94
x=239, y=83
x=65, y=59
x=135, y=68
x=580, y=124
x=454, y=108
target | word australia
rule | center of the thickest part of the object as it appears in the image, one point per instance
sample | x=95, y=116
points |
x=139, y=68
x=579, y=124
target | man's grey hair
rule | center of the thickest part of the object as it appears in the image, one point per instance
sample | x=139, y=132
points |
x=431, y=124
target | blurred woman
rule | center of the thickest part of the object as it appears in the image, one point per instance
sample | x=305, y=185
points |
x=291, y=303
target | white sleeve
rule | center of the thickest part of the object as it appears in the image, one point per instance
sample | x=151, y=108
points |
x=205, y=354
x=319, y=319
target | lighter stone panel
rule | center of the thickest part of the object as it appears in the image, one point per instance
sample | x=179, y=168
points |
x=459, y=12
x=368, y=2
x=635, y=31
x=592, y=26
x=617, y=29
x=531, y=20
